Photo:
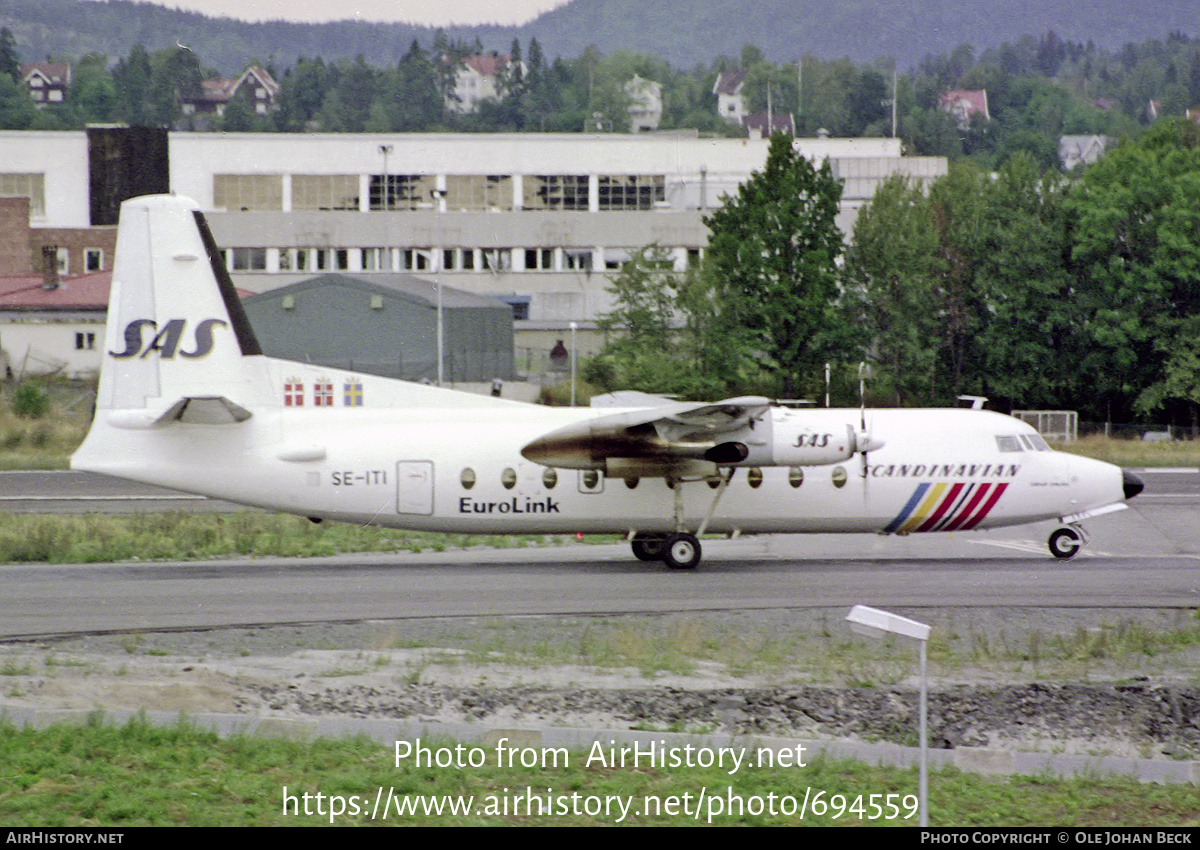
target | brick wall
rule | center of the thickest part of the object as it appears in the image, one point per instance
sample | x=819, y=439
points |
x=21, y=245
x=15, y=254
x=77, y=242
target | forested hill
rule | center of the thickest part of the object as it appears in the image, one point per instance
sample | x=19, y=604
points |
x=683, y=32
x=688, y=32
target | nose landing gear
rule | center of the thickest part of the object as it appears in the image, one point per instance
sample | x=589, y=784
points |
x=1066, y=542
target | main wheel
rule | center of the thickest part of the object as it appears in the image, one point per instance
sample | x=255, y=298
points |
x=681, y=551
x=648, y=547
x=1065, y=543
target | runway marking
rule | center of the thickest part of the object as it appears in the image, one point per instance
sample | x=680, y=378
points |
x=98, y=498
x=1036, y=548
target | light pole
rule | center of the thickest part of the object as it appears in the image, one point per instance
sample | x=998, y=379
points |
x=386, y=193
x=873, y=622
x=437, y=195
x=574, y=326
x=385, y=262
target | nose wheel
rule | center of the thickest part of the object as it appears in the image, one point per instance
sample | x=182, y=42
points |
x=1066, y=542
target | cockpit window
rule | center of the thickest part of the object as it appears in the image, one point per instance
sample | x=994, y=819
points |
x=1008, y=443
x=1039, y=444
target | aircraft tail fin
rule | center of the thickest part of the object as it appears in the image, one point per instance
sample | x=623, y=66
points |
x=177, y=333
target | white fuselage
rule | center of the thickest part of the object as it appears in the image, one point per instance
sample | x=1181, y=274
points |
x=461, y=470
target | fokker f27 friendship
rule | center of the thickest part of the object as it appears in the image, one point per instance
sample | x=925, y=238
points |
x=188, y=401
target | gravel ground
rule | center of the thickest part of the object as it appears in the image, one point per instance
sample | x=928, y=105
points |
x=1091, y=681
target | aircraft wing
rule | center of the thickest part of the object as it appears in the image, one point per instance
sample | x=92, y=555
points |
x=662, y=440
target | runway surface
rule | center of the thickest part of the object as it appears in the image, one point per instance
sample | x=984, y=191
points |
x=1148, y=556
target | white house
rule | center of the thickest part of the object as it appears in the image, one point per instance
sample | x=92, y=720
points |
x=728, y=88
x=479, y=77
x=645, y=104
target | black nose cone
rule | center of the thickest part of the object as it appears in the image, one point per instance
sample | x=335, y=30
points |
x=1133, y=485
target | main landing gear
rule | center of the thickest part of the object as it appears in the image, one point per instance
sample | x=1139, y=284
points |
x=679, y=550
x=1066, y=542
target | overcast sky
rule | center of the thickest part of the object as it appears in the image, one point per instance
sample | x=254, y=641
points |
x=431, y=12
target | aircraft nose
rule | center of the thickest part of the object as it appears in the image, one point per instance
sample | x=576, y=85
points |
x=1132, y=484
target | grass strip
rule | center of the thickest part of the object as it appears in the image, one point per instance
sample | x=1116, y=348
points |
x=143, y=775
x=181, y=535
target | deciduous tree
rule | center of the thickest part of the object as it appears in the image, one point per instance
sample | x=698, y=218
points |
x=774, y=252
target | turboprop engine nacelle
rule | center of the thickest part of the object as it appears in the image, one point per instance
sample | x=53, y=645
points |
x=791, y=439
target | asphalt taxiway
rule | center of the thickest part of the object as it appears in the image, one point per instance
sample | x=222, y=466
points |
x=1144, y=557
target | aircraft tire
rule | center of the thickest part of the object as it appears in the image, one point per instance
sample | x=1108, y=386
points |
x=1065, y=543
x=681, y=551
x=648, y=547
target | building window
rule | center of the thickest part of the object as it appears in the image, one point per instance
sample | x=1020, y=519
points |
x=519, y=304
x=416, y=260
x=325, y=192
x=479, y=193
x=31, y=186
x=376, y=260
x=402, y=191
x=497, y=259
x=85, y=341
x=248, y=192
x=249, y=259
x=631, y=191
x=577, y=260
x=556, y=192
x=615, y=258
x=93, y=259
x=539, y=259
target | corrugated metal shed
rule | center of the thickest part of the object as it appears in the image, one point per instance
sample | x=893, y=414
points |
x=385, y=326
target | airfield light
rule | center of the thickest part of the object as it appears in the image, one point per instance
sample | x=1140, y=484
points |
x=875, y=623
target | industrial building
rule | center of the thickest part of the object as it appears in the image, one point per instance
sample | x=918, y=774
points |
x=537, y=221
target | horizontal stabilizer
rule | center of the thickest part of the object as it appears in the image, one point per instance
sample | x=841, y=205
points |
x=201, y=410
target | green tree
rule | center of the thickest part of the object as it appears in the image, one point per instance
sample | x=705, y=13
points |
x=175, y=74
x=1029, y=337
x=17, y=111
x=891, y=269
x=665, y=333
x=1137, y=265
x=414, y=92
x=10, y=60
x=92, y=96
x=132, y=76
x=774, y=251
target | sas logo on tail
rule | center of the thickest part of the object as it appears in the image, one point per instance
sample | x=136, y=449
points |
x=167, y=341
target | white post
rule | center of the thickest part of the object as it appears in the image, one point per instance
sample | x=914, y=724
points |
x=873, y=622
x=574, y=325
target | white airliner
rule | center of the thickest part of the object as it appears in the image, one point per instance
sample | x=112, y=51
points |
x=188, y=401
